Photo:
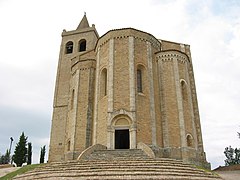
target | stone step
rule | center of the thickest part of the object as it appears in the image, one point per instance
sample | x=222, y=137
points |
x=118, y=164
x=123, y=171
x=126, y=166
x=157, y=166
x=150, y=160
x=133, y=161
x=126, y=162
x=121, y=168
x=116, y=174
x=117, y=154
x=122, y=177
x=123, y=165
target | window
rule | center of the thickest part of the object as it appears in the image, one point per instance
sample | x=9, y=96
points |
x=69, y=47
x=103, y=85
x=184, y=89
x=82, y=45
x=139, y=81
x=189, y=140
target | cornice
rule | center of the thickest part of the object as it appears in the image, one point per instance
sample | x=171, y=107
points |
x=169, y=55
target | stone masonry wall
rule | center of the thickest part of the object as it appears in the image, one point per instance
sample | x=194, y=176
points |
x=121, y=75
x=144, y=131
x=100, y=98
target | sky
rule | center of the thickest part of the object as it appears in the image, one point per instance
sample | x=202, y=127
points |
x=30, y=37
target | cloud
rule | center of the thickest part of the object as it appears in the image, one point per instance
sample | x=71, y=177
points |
x=27, y=88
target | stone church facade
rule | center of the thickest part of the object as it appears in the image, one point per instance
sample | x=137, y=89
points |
x=121, y=89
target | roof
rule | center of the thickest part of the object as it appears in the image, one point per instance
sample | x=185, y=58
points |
x=84, y=23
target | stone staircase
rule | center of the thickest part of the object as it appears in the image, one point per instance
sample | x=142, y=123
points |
x=119, y=164
x=120, y=154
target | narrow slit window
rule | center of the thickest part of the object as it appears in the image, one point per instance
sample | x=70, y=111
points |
x=184, y=90
x=139, y=81
x=72, y=98
x=103, y=84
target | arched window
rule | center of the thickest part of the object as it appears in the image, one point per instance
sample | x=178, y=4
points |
x=184, y=89
x=139, y=81
x=103, y=84
x=72, y=98
x=69, y=47
x=82, y=45
x=189, y=140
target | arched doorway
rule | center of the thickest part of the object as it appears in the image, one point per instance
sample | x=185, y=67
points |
x=122, y=133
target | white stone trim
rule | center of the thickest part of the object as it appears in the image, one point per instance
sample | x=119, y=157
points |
x=132, y=128
x=131, y=74
x=132, y=114
x=151, y=94
x=110, y=75
x=165, y=129
x=95, y=113
x=179, y=103
x=182, y=47
x=75, y=105
x=191, y=106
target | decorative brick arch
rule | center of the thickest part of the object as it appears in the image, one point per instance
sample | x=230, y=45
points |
x=121, y=112
x=121, y=120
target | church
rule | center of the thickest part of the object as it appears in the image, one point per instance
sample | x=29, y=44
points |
x=123, y=90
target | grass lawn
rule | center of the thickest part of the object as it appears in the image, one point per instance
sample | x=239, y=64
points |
x=20, y=171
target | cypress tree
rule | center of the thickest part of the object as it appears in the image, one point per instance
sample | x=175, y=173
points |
x=20, y=153
x=42, y=154
x=29, y=153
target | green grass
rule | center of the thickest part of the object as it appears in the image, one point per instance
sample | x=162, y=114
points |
x=207, y=170
x=204, y=169
x=20, y=171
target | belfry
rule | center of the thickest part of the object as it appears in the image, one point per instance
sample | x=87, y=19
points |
x=125, y=90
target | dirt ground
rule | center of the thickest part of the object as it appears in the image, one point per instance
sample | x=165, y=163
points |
x=229, y=175
x=5, y=171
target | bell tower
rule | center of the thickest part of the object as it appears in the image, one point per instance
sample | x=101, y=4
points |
x=72, y=113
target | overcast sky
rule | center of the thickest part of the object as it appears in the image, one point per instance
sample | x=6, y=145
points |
x=30, y=37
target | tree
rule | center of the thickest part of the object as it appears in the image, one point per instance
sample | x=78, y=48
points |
x=29, y=153
x=20, y=153
x=5, y=159
x=42, y=154
x=233, y=156
x=2, y=159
